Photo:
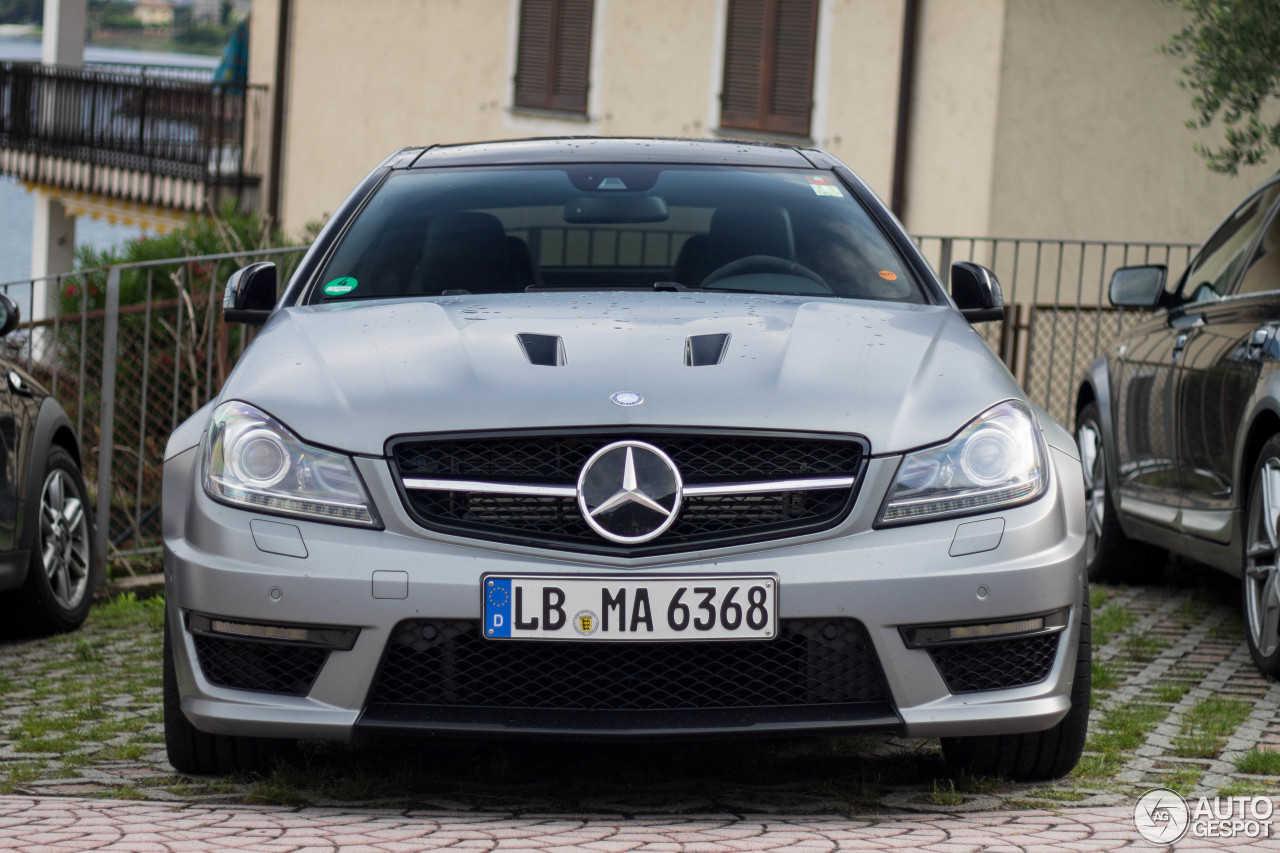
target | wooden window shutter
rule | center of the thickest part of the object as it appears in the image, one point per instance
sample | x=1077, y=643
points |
x=553, y=64
x=768, y=65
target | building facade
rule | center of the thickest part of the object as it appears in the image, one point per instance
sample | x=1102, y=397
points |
x=1009, y=118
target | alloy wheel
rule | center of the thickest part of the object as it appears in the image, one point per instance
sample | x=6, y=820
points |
x=1089, y=441
x=64, y=539
x=1262, y=586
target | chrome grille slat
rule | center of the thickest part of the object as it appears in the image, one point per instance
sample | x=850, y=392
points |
x=521, y=487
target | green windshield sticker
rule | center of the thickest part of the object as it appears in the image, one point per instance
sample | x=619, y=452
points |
x=340, y=286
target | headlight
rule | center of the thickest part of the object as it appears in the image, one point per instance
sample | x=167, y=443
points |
x=997, y=460
x=252, y=460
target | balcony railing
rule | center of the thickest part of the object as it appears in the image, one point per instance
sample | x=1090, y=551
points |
x=160, y=136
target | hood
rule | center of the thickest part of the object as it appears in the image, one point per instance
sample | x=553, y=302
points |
x=351, y=375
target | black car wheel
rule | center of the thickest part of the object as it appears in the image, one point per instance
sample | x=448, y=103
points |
x=1109, y=554
x=193, y=751
x=1261, y=582
x=59, y=585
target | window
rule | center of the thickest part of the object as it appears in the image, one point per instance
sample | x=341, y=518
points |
x=554, y=55
x=768, y=65
x=1263, y=273
x=1220, y=258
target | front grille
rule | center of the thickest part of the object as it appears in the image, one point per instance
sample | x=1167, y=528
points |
x=264, y=667
x=557, y=460
x=996, y=664
x=813, y=662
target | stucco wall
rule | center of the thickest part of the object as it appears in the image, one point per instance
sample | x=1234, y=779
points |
x=1091, y=141
x=954, y=116
x=1039, y=118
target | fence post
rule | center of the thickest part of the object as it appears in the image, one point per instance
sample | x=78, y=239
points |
x=944, y=262
x=110, y=340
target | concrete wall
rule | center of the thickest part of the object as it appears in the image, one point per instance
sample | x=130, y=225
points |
x=1041, y=118
x=1091, y=141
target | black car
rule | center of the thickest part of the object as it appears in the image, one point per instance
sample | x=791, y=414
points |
x=48, y=568
x=1179, y=423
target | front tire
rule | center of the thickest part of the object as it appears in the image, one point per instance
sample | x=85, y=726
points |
x=1109, y=554
x=59, y=586
x=1260, y=584
x=199, y=753
x=1038, y=755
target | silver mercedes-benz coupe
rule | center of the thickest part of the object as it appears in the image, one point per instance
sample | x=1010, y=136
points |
x=622, y=438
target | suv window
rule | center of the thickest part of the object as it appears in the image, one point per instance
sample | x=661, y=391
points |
x=1263, y=271
x=434, y=232
x=1215, y=268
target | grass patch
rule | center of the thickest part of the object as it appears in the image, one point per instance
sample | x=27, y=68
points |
x=19, y=773
x=1098, y=766
x=1059, y=795
x=1104, y=676
x=1261, y=762
x=1171, y=692
x=1245, y=788
x=1216, y=716
x=1098, y=595
x=127, y=610
x=970, y=784
x=1183, y=780
x=1110, y=621
x=944, y=793
x=1199, y=745
x=1206, y=726
x=1126, y=727
x=1143, y=648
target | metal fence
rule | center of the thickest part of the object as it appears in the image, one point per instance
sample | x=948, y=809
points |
x=130, y=352
x=1058, y=318
x=156, y=121
x=133, y=350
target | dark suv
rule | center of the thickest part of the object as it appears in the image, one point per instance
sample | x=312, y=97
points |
x=1179, y=423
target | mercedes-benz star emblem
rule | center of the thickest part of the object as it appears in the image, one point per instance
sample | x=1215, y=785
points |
x=629, y=492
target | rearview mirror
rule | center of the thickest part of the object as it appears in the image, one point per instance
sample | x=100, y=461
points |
x=976, y=292
x=615, y=209
x=250, y=294
x=9, y=315
x=1138, y=287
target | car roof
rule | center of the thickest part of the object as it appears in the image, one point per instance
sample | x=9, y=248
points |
x=593, y=149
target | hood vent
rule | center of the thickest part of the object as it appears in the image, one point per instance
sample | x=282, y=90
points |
x=705, y=350
x=544, y=350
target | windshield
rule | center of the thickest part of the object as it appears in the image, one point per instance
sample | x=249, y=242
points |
x=629, y=226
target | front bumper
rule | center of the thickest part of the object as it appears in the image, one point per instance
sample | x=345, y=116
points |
x=884, y=579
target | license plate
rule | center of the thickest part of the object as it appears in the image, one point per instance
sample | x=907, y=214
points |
x=666, y=608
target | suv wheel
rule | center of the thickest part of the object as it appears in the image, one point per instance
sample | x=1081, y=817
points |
x=1038, y=755
x=196, y=752
x=1261, y=576
x=59, y=586
x=1109, y=554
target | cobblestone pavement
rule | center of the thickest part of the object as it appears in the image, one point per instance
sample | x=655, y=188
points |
x=1177, y=703
x=57, y=824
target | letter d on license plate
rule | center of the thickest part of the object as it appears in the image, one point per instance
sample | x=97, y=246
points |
x=539, y=607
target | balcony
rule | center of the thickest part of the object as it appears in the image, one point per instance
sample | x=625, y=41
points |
x=166, y=137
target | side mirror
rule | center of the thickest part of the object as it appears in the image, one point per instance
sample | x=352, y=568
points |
x=976, y=292
x=250, y=294
x=9, y=315
x=1138, y=287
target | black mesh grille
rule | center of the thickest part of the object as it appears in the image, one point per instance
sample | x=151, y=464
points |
x=264, y=667
x=812, y=662
x=996, y=664
x=558, y=460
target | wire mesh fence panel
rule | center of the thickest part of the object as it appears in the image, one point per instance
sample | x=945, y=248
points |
x=172, y=352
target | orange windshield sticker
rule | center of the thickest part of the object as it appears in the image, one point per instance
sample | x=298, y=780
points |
x=888, y=276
